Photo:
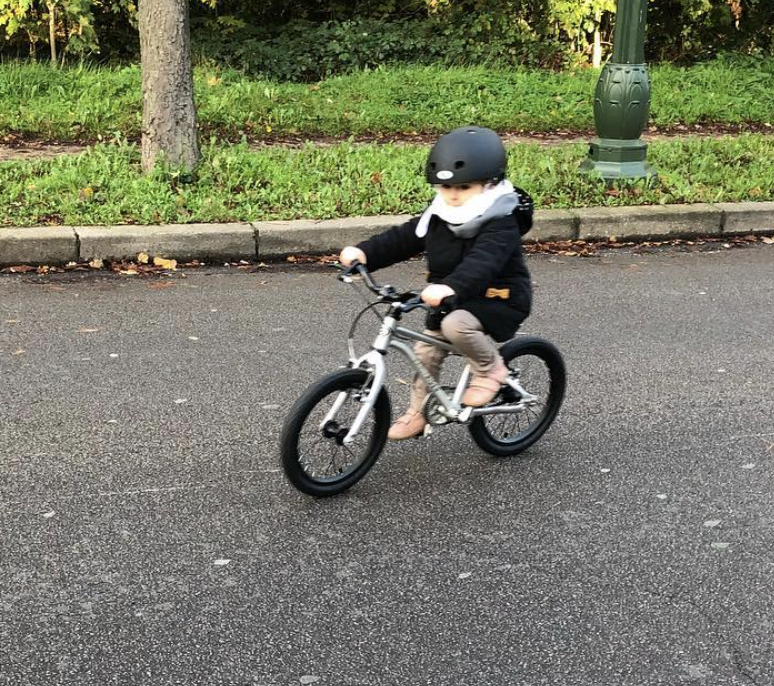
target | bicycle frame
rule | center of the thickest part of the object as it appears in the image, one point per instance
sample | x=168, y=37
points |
x=393, y=336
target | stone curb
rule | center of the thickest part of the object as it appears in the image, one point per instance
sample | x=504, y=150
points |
x=205, y=242
x=217, y=243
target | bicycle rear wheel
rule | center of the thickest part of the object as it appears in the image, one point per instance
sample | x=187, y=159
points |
x=538, y=366
x=314, y=457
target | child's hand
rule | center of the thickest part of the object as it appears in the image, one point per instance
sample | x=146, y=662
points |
x=350, y=254
x=435, y=292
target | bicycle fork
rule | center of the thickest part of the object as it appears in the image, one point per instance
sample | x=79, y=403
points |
x=374, y=363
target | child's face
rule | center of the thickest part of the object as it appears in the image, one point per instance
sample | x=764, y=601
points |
x=456, y=195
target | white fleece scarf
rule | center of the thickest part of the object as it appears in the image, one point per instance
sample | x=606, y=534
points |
x=478, y=207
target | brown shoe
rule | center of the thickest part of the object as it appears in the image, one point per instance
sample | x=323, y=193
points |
x=409, y=425
x=484, y=387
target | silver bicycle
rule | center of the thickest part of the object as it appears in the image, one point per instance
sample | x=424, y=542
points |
x=338, y=427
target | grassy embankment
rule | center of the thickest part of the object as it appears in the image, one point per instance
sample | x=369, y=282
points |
x=88, y=103
x=105, y=184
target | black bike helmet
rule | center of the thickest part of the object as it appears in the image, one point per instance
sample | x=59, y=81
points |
x=467, y=155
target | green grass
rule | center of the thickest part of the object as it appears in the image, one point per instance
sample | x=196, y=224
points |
x=99, y=103
x=105, y=184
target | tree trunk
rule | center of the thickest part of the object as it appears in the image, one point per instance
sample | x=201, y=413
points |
x=52, y=32
x=596, y=54
x=168, y=113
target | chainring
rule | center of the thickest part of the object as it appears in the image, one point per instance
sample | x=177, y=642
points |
x=431, y=408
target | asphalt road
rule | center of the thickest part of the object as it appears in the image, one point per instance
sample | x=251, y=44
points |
x=147, y=535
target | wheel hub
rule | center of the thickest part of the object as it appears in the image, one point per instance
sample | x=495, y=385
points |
x=334, y=431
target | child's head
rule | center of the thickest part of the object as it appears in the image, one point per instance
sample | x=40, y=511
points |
x=464, y=161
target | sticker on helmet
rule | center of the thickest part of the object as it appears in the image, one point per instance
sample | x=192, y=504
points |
x=444, y=175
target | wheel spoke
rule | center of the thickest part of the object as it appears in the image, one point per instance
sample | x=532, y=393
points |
x=532, y=372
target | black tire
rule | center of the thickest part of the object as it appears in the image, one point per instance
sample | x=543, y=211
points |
x=304, y=420
x=502, y=435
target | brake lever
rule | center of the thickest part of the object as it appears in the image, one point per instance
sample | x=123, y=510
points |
x=348, y=273
x=413, y=303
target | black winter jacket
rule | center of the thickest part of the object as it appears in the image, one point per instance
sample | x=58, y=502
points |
x=487, y=272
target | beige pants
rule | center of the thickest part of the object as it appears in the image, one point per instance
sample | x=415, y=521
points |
x=464, y=332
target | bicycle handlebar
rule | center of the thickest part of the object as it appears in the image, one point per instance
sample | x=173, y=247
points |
x=406, y=302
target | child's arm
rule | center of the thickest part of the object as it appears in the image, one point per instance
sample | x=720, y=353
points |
x=391, y=246
x=494, y=246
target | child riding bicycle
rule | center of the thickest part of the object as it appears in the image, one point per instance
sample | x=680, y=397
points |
x=471, y=237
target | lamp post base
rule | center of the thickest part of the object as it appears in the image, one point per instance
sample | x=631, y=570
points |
x=613, y=158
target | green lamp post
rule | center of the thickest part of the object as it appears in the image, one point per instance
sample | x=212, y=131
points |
x=622, y=101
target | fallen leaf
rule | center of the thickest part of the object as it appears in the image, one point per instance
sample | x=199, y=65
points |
x=97, y=263
x=767, y=240
x=19, y=352
x=128, y=272
x=87, y=330
x=143, y=258
x=165, y=264
x=86, y=194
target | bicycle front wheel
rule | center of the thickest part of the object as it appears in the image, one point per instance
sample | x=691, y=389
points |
x=315, y=458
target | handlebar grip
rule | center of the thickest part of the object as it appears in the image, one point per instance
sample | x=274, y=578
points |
x=354, y=266
x=448, y=304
